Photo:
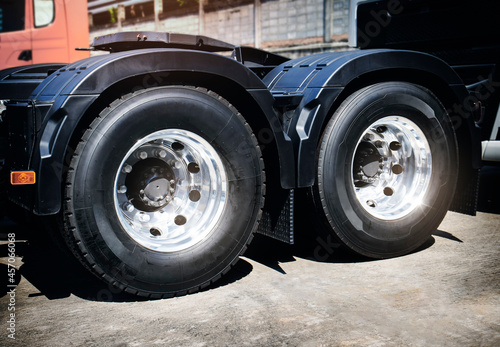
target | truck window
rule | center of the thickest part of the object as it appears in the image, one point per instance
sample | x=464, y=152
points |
x=11, y=15
x=44, y=12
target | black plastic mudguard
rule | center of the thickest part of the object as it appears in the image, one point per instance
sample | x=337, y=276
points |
x=307, y=89
x=19, y=82
x=64, y=97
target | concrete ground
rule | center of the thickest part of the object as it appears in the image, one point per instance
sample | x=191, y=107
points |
x=447, y=293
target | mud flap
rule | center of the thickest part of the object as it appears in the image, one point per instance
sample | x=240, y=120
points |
x=277, y=217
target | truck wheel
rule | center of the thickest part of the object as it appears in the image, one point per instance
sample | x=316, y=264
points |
x=386, y=169
x=164, y=191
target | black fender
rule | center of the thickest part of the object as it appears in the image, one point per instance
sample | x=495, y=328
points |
x=19, y=82
x=68, y=94
x=322, y=81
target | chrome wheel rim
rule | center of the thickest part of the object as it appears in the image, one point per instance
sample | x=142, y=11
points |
x=391, y=168
x=170, y=190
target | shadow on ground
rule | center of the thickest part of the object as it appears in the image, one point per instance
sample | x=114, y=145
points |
x=57, y=275
x=272, y=253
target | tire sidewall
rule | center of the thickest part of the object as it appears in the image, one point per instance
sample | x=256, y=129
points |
x=363, y=232
x=145, y=112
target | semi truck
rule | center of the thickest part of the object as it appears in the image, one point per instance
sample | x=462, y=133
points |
x=161, y=160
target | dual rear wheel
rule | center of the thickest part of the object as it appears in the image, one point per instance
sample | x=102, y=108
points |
x=166, y=186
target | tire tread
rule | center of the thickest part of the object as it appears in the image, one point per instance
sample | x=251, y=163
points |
x=71, y=233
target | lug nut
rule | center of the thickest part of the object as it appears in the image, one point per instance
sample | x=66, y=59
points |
x=368, y=137
x=144, y=217
x=143, y=155
x=161, y=153
x=127, y=168
x=122, y=189
x=175, y=164
x=128, y=207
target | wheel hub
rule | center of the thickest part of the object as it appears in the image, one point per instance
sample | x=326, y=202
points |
x=157, y=192
x=150, y=184
x=391, y=168
x=170, y=190
x=368, y=164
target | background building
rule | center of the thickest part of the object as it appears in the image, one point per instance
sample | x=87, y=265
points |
x=289, y=27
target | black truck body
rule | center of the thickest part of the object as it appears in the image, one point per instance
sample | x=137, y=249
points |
x=384, y=139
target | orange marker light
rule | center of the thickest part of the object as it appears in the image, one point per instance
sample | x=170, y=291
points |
x=22, y=177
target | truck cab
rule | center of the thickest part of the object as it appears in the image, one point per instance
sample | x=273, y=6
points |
x=42, y=31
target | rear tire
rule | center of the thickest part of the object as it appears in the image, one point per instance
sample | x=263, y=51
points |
x=386, y=169
x=164, y=191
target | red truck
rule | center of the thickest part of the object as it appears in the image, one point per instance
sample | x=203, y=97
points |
x=42, y=31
